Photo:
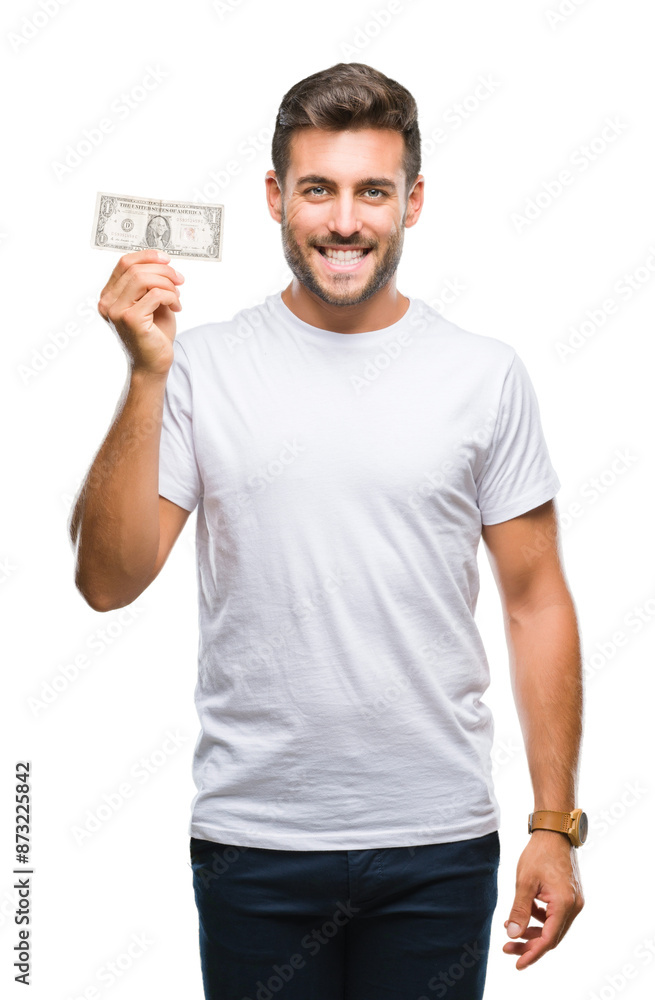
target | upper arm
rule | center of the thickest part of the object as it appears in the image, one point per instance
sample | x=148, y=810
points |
x=525, y=560
x=172, y=519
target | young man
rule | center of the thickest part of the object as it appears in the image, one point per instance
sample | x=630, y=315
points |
x=346, y=448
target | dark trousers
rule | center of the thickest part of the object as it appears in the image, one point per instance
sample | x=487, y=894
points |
x=393, y=923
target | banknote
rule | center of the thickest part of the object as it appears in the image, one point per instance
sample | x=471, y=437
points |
x=180, y=228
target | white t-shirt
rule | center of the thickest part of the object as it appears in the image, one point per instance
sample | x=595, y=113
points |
x=341, y=482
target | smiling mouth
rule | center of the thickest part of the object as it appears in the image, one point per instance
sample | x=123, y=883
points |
x=346, y=256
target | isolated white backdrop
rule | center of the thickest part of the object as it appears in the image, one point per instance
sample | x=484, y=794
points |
x=554, y=83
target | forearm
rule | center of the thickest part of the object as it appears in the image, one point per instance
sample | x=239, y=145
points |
x=115, y=523
x=546, y=673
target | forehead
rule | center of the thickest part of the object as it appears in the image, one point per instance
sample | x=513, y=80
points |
x=346, y=155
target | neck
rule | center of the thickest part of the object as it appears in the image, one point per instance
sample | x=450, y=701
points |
x=382, y=309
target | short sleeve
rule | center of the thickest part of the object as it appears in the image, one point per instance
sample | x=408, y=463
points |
x=179, y=476
x=517, y=474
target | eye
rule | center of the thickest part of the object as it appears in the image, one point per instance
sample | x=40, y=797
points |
x=319, y=187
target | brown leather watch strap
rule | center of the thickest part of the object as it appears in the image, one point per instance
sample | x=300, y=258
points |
x=546, y=819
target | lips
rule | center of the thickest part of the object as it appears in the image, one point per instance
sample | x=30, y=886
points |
x=342, y=260
x=329, y=248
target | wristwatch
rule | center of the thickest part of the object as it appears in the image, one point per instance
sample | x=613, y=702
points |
x=573, y=824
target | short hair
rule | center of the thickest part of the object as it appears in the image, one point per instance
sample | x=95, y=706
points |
x=349, y=96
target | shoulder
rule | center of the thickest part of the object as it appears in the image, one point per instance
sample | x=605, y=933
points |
x=474, y=349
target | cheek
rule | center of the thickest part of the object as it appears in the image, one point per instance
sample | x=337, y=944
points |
x=304, y=220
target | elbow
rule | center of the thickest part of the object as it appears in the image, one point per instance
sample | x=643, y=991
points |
x=101, y=601
x=95, y=601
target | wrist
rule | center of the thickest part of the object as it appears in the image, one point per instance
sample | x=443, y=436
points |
x=552, y=834
x=563, y=804
x=143, y=376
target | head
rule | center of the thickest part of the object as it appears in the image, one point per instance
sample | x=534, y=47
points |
x=158, y=225
x=346, y=154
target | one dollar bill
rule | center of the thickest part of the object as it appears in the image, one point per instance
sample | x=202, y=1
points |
x=179, y=228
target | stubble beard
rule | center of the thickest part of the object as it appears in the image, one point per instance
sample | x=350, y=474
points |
x=383, y=270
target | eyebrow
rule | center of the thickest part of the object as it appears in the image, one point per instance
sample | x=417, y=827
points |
x=365, y=182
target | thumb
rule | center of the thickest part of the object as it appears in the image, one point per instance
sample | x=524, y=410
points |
x=519, y=917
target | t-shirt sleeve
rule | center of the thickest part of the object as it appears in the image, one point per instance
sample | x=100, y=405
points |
x=517, y=474
x=179, y=476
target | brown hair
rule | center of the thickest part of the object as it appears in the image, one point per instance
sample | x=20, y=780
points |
x=347, y=96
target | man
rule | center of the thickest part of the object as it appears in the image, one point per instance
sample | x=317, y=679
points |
x=158, y=233
x=346, y=448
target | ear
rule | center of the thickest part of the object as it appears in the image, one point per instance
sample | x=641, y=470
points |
x=273, y=196
x=415, y=202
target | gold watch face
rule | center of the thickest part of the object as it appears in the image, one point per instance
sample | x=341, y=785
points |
x=579, y=827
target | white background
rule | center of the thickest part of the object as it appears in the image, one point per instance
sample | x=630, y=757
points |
x=556, y=83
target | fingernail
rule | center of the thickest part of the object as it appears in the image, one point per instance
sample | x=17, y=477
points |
x=178, y=275
x=162, y=255
x=513, y=930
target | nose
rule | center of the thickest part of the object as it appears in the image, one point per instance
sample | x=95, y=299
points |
x=343, y=218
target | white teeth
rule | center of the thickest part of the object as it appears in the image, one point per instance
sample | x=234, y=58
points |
x=341, y=255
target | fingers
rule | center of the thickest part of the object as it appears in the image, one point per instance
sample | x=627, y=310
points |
x=537, y=911
x=141, y=257
x=131, y=284
x=539, y=940
x=135, y=315
x=551, y=879
x=135, y=283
